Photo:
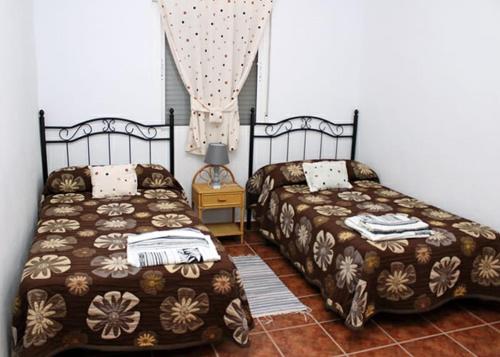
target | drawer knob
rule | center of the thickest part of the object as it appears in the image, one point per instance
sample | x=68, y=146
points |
x=221, y=200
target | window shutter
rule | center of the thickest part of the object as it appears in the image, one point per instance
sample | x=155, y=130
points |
x=177, y=97
x=248, y=95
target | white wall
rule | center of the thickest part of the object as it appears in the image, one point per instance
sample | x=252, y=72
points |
x=314, y=69
x=99, y=58
x=424, y=77
x=19, y=152
x=430, y=113
x=315, y=58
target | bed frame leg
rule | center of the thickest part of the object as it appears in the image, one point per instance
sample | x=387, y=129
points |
x=249, y=219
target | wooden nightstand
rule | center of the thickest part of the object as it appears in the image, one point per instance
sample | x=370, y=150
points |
x=228, y=196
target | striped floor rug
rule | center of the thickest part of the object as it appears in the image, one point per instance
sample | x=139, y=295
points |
x=266, y=294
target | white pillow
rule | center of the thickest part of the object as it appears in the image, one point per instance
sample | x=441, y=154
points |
x=113, y=180
x=323, y=175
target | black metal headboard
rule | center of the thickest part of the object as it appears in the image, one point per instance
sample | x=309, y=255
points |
x=66, y=135
x=305, y=124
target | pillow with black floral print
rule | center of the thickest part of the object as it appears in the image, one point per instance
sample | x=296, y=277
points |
x=68, y=180
x=152, y=176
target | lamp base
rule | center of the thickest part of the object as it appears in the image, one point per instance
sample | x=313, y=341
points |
x=216, y=184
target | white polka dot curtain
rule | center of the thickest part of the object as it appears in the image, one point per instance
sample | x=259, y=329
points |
x=214, y=43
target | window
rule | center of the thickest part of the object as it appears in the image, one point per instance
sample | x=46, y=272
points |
x=177, y=97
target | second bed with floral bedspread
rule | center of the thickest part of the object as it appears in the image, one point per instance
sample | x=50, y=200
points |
x=77, y=289
x=357, y=277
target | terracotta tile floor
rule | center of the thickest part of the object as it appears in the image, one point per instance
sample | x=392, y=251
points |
x=464, y=328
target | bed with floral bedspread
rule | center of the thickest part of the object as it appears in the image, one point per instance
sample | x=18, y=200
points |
x=77, y=290
x=357, y=277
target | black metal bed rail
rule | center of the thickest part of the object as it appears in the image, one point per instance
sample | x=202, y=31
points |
x=107, y=126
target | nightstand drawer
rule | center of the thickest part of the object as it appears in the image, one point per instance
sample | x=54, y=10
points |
x=221, y=199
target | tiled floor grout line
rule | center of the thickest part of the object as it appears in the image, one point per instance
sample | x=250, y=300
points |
x=449, y=336
x=263, y=326
x=274, y=342
x=288, y=327
x=420, y=338
x=427, y=336
x=373, y=348
x=468, y=328
x=326, y=321
x=285, y=275
x=260, y=244
x=494, y=327
x=256, y=333
x=249, y=246
x=257, y=322
x=471, y=313
x=395, y=342
x=232, y=244
x=270, y=258
x=490, y=324
x=264, y=330
x=344, y=353
x=268, y=333
x=306, y=296
x=460, y=344
x=392, y=338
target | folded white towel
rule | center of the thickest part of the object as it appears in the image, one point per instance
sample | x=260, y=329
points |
x=389, y=219
x=399, y=223
x=175, y=246
x=354, y=223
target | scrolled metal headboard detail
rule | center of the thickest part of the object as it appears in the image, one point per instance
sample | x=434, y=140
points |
x=305, y=124
x=301, y=123
x=67, y=135
x=145, y=132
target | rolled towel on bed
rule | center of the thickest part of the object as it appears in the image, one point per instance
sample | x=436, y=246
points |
x=175, y=246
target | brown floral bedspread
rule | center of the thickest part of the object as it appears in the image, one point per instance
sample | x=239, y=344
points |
x=357, y=277
x=77, y=289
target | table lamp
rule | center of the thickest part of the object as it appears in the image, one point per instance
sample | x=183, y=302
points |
x=216, y=155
